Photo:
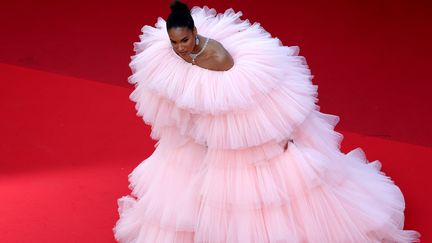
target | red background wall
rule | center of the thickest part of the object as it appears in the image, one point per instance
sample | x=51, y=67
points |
x=371, y=59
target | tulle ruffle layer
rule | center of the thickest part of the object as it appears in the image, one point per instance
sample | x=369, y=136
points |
x=300, y=195
x=263, y=98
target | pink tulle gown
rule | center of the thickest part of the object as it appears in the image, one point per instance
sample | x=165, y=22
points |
x=219, y=172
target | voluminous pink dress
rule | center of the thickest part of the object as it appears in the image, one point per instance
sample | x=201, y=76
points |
x=219, y=172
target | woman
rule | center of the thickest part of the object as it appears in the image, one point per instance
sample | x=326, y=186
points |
x=243, y=153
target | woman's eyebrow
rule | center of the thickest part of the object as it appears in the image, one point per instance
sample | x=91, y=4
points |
x=180, y=40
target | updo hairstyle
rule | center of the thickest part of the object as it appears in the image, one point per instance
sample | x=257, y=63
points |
x=180, y=16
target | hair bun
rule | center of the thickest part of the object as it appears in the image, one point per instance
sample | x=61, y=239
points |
x=177, y=6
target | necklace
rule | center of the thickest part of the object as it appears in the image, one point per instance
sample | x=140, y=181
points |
x=194, y=56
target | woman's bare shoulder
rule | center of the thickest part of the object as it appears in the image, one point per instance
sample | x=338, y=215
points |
x=222, y=58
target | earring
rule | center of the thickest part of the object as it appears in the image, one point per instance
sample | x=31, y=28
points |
x=197, y=41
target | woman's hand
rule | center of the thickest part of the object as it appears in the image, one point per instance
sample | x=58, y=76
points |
x=286, y=145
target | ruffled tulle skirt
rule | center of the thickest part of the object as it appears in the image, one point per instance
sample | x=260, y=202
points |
x=185, y=192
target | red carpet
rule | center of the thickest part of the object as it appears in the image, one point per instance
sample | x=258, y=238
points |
x=70, y=144
x=71, y=137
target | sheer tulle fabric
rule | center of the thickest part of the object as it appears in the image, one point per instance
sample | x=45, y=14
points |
x=220, y=173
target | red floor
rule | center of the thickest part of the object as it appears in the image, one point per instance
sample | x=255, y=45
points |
x=72, y=142
x=72, y=137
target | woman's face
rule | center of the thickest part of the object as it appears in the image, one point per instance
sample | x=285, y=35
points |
x=182, y=40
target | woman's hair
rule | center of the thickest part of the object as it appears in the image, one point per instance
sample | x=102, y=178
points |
x=180, y=16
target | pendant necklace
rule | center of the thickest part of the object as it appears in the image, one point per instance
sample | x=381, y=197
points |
x=194, y=56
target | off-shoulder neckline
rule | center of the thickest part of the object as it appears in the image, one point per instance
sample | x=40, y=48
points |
x=205, y=69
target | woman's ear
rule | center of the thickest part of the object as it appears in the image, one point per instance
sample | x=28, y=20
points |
x=195, y=32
